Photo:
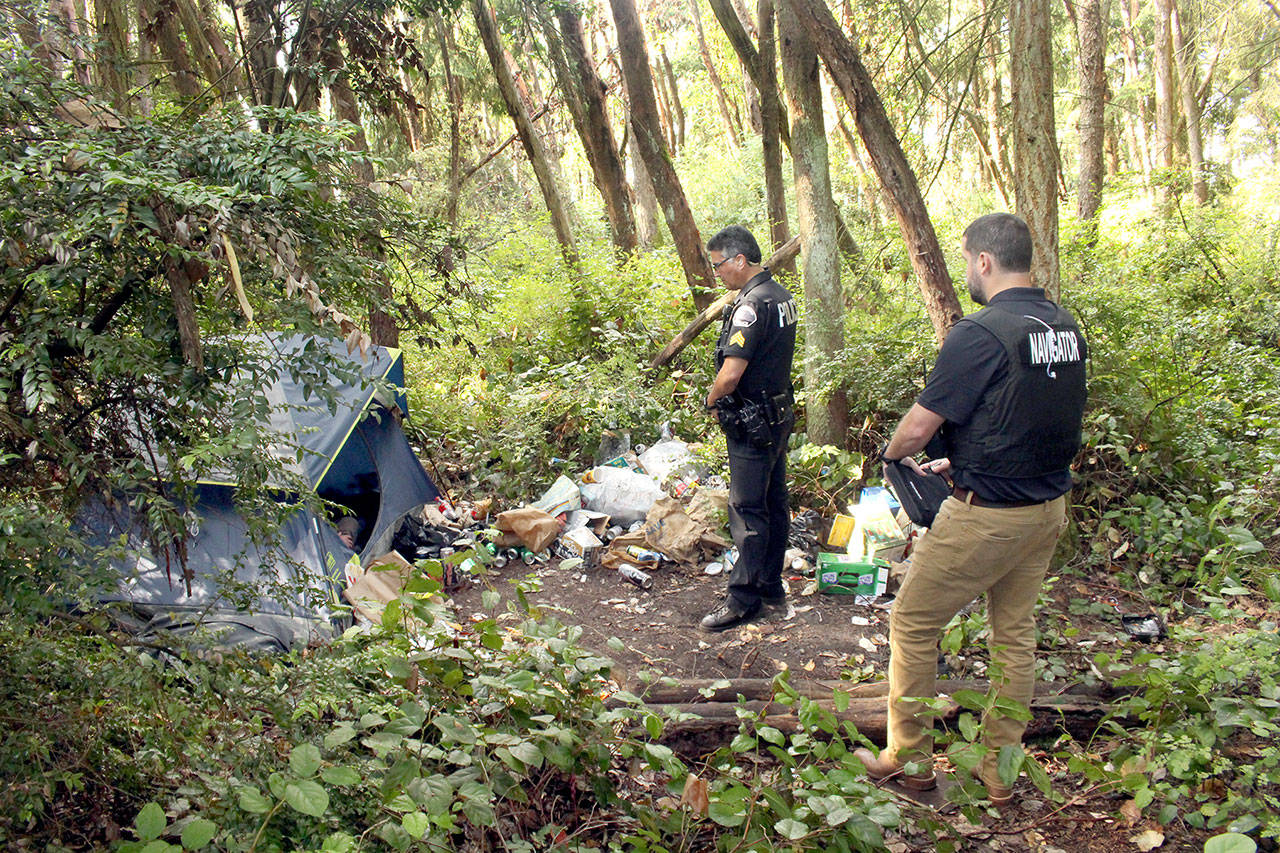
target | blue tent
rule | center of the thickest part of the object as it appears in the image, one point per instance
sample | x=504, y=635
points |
x=277, y=594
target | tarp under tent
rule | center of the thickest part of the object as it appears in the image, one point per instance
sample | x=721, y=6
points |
x=276, y=595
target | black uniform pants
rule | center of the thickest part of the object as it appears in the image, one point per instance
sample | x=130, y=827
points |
x=759, y=517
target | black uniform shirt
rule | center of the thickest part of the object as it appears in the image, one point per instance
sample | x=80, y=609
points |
x=760, y=326
x=970, y=361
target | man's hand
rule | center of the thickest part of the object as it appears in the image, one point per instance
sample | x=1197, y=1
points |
x=937, y=466
x=934, y=466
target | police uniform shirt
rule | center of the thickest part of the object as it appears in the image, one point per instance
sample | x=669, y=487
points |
x=972, y=360
x=760, y=327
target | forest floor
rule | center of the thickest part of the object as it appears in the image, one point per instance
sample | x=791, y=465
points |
x=829, y=637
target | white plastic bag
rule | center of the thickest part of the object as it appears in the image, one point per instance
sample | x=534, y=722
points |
x=670, y=457
x=621, y=493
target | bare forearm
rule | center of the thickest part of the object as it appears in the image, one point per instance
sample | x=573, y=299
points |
x=913, y=432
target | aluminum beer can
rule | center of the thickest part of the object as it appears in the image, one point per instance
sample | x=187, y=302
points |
x=634, y=575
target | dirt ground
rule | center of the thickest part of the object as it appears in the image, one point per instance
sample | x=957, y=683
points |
x=820, y=637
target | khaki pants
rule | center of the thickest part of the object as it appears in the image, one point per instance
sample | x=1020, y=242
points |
x=968, y=551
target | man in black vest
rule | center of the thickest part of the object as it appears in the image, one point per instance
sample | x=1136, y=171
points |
x=1003, y=407
x=752, y=397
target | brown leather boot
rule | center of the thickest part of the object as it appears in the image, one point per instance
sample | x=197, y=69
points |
x=883, y=767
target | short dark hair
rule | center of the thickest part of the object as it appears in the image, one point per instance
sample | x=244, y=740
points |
x=733, y=241
x=1003, y=236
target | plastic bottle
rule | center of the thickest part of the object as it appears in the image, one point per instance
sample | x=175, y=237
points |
x=634, y=575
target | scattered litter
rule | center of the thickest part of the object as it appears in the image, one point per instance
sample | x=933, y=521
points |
x=866, y=644
x=634, y=575
x=562, y=497
x=620, y=493
x=861, y=621
x=714, y=568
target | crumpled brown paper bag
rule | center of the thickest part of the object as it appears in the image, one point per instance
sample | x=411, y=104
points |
x=535, y=528
x=669, y=529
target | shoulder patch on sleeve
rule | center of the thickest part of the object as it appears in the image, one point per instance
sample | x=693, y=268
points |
x=744, y=315
x=738, y=339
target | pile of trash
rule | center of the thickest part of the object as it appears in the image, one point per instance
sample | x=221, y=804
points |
x=639, y=509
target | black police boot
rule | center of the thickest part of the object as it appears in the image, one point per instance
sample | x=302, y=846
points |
x=726, y=616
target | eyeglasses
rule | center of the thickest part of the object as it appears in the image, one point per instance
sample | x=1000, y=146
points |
x=717, y=265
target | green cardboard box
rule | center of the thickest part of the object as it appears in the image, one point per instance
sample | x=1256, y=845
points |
x=841, y=574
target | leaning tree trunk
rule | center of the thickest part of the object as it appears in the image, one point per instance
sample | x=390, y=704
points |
x=890, y=163
x=1185, y=59
x=717, y=86
x=592, y=120
x=1093, y=92
x=827, y=421
x=157, y=25
x=1035, y=143
x=775, y=197
x=488, y=28
x=647, y=139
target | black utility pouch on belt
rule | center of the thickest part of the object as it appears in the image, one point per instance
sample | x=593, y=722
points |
x=745, y=421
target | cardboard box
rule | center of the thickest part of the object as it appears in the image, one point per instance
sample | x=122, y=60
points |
x=841, y=531
x=580, y=542
x=841, y=574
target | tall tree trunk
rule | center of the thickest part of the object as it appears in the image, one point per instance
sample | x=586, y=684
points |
x=750, y=94
x=1092, y=123
x=663, y=100
x=586, y=96
x=1114, y=132
x=993, y=104
x=262, y=44
x=72, y=19
x=157, y=24
x=717, y=87
x=648, y=142
x=648, y=235
x=677, y=106
x=1035, y=144
x=230, y=82
x=828, y=420
x=775, y=196
x=1184, y=56
x=1133, y=78
x=733, y=27
x=869, y=200
x=202, y=52
x=1162, y=60
x=382, y=326
x=453, y=95
x=488, y=28
x=112, y=54
x=887, y=158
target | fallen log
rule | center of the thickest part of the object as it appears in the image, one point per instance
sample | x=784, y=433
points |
x=786, y=253
x=717, y=719
x=669, y=691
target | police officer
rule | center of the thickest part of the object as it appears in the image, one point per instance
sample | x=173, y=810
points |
x=752, y=396
x=1003, y=405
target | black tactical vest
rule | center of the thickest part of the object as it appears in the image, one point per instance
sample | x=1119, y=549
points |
x=1028, y=424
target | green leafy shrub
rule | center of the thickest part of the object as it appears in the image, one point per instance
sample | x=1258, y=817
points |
x=1205, y=753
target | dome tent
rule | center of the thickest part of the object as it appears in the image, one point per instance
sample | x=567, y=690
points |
x=275, y=593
